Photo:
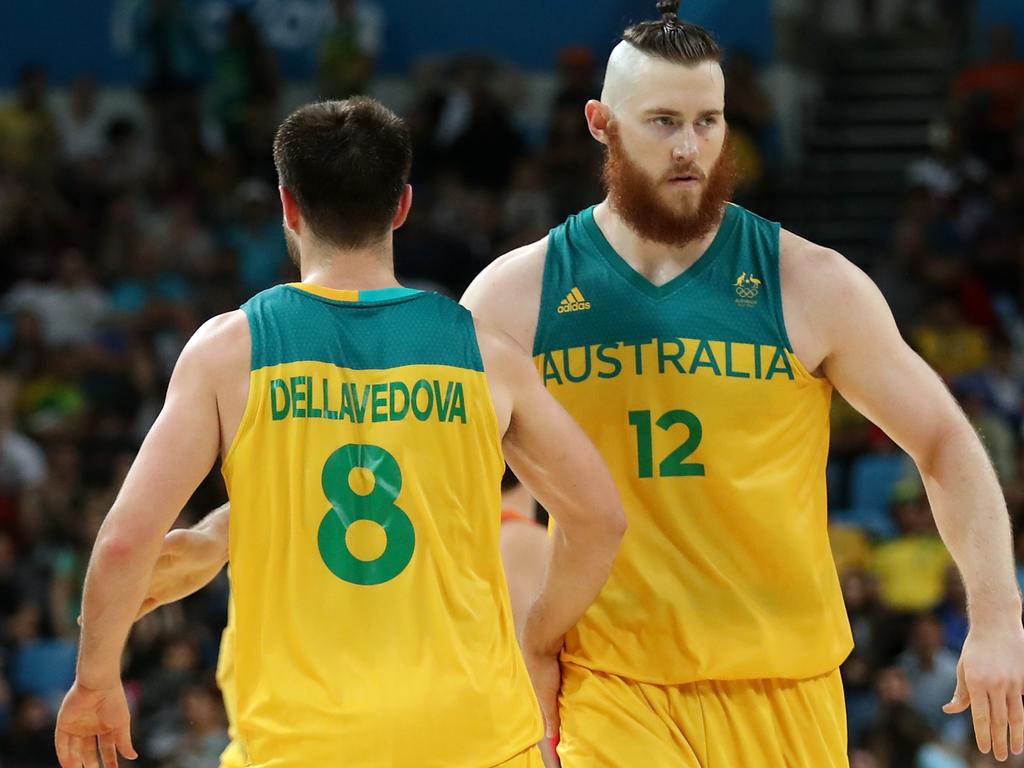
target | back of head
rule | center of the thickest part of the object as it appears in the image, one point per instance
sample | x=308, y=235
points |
x=672, y=39
x=346, y=164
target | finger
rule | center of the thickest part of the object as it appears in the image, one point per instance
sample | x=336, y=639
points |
x=61, y=740
x=997, y=710
x=982, y=722
x=90, y=753
x=961, y=699
x=76, y=750
x=108, y=750
x=124, y=743
x=1015, y=716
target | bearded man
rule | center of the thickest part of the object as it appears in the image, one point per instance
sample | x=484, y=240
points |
x=698, y=345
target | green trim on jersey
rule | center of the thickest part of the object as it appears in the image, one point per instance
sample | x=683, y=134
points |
x=590, y=295
x=386, y=328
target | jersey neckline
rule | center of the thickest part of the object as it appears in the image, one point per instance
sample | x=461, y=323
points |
x=372, y=296
x=726, y=229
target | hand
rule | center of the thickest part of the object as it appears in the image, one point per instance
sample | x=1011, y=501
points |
x=990, y=680
x=88, y=716
x=546, y=674
x=189, y=560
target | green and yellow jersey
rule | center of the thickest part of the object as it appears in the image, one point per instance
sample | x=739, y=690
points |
x=717, y=438
x=371, y=615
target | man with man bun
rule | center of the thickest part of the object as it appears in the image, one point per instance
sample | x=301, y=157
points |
x=698, y=345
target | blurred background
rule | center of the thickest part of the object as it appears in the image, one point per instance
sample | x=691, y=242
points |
x=138, y=198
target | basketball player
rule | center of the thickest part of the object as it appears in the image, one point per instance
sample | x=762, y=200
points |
x=698, y=345
x=190, y=558
x=361, y=428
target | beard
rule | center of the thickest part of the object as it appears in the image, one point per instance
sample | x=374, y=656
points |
x=634, y=195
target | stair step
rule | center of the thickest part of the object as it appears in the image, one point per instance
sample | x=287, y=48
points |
x=914, y=111
x=891, y=86
x=868, y=137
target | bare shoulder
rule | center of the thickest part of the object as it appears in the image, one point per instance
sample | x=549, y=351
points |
x=223, y=335
x=222, y=345
x=821, y=280
x=506, y=293
x=825, y=297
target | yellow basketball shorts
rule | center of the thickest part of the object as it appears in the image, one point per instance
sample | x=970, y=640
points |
x=232, y=757
x=620, y=723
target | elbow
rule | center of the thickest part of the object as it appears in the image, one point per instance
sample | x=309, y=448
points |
x=613, y=522
x=953, y=433
x=617, y=522
x=113, y=548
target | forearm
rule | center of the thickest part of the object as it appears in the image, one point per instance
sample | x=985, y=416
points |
x=971, y=516
x=577, y=569
x=115, y=585
x=215, y=526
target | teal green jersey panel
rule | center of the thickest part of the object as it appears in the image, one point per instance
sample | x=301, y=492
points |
x=384, y=329
x=731, y=293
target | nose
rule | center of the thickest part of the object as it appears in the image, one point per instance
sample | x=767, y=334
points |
x=685, y=148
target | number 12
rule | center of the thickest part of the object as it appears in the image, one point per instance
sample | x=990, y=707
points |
x=672, y=465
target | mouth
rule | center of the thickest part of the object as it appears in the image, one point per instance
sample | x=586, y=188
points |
x=684, y=180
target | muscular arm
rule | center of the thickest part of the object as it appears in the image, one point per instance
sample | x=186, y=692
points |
x=841, y=312
x=175, y=457
x=871, y=365
x=563, y=470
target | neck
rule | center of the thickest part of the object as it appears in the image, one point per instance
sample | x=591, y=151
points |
x=657, y=262
x=365, y=268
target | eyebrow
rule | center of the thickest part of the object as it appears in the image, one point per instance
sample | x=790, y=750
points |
x=677, y=113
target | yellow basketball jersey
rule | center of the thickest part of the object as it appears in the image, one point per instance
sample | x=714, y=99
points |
x=372, y=619
x=717, y=438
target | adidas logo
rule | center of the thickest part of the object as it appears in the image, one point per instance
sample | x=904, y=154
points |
x=573, y=302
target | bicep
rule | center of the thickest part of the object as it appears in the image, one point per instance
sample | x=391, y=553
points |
x=879, y=374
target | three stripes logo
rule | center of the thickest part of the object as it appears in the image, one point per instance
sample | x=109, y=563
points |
x=573, y=302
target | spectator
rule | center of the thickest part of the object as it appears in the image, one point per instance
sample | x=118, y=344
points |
x=245, y=88
x=930, y=668
x=71, y=308
x=257, y=238
x=349, y=48
x=898, y=732
x=911, y=569
x=994, y=91
x=82, y=123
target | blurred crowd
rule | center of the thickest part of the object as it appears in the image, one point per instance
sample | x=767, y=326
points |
x=121, y=231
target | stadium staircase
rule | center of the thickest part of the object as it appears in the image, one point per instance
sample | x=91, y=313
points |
x=870, y=121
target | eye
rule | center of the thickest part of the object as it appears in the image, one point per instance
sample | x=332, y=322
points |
x=709, y=121
x=664, y=120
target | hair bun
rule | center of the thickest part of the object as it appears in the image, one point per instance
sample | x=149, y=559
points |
x=668, y=7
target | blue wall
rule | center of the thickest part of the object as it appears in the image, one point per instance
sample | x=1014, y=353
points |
x=73, y=37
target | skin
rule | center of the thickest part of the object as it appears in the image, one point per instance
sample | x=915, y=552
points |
x=841, y=329
x=205, y=401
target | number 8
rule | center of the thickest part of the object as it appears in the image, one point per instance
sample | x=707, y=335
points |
x=378, y=506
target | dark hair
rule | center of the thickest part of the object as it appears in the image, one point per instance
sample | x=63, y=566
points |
x=673, y=39
x=346, y=164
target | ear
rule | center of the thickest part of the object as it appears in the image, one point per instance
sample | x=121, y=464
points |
x=290, y=209
x=598, y=116
x=404, y=205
